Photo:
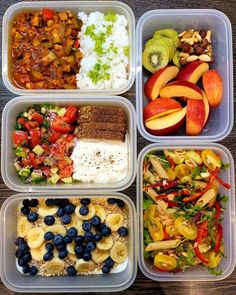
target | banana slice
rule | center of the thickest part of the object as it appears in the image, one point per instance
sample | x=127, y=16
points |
x=84, y=266
x=119, y=252
x=55, y=252
x=72, y=257
x=75, y=222
x=44, y=210
x=35, y=237
x=45, y=226
x=71, y=247
x=114, y=221
x=90, y=214
x=57, y=229
x=105, y=243
x=81, y=231
x=99, y=256
x=100, y=212
x=38, y=253
x=54, y=267
x=23, y=226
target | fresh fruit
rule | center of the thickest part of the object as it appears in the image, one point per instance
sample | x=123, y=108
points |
x=49, y=220
x=33, y=271
x=32, y=216
x=182, y=88
x=38, y=253
x=159, y=79
x=105, y=244
x=167, y=124
x=66, y=219
x=176, y=58
x=44, y=210
x=119, y=252
x=72, y=232
x=105, y=269
x=54, y=266
x=213, y=87
x=48, y=236
x=155, y=57
x=85, y=201
x=71, y=271
x=87, y=225
x=75, y=222
x=160, y=107
x=72, y=257
x=123, y=231
x=71, y=247
x=106, y=231
x=100, y=212
x=99, y=256
x=109, y=263
x=90, y=212
x=168, y=33
x=35, y=237
x=23, y=226
x=48, y=256
x=82, y=266
x=193, y=71
x=195, y=116
x=163, y=41
x=207, y=107
x=165, y=262
x=114, y=221
x=57, y=229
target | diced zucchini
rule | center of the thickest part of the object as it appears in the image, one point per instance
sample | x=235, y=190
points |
x=19, y=151
x=17, y=166
x=24, y=172
x=61, y=112
x=67, y=179
x=54, y=179
x=38, y=150
x=36, y=175
x=54, y=170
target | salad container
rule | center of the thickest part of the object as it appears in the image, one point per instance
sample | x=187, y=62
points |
x=18, y=282
x=19, y=104
x=221, y=119
x=196, y=273
x=74, y=6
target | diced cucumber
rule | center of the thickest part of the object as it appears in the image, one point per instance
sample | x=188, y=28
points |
x=17, y=166
x=55, y=109
x=67, y=179
x=54, y=179
x=68, y=160
x=24, y=172
x=38, y=150
x=54, y=170
x=43, y=110
x=19, y=151
x=61, y=112
x=36, y=175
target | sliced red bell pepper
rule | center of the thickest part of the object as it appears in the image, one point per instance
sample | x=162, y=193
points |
x=218, y=210
x=172, y=204
x=219, y=237
x=168, y=185
x=202, y=233
x=224, y=184
x=171, y=162
x=197, y=195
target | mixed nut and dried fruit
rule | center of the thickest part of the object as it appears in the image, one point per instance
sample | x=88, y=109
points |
x=75, y=236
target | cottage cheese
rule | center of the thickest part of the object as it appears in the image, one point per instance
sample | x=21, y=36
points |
x=104, y=43
x=99, y=161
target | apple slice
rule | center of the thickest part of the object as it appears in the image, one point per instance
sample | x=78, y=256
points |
x=193, y=71
x=170, y=123
x=195, y=116
x=158, y=80
x=213, y=87
x=207, y=107
x=160, y=107
x=182, y=88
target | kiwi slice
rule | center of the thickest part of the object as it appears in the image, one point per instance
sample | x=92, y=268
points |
x=168, y=33
x=164, y=42
x=176, y=58
x=155, y=57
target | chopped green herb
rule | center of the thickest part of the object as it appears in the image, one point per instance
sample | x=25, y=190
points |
x=99, y=73
x=46, y=123
x=126, y=50
x=18, y=127
x=215, y=271
x=90, y=31
x=109, y=30
x=147, y=238
x=225, y=166
x=111, y=16
x=195, y=172
x=37, y=107
x=146, y=203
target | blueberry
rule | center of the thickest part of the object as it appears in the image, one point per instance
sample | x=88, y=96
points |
x=109, y=263
x=68, y=239
x=60, y=212
x=79, y=249
x=26, y=269
x=18, y=254
x=26, y=203
x=62, y=254
x=85, y=201
x=49, y=246
x=33, y=271
x=26, y=257
x=71, y=271
x=49, y=202
x=100, y=226
x=58, y=202
x=96, y=220
x=88, y=236
x=84, y=210
x=58, y=240
x=48, y=256
x=105, y=269
x=111, y=201
x=97, y=237
x=120, y=203
x=106, y=231
x=25, y=210
x=79, y=240
x=49, y=220
x=70, y=208
x=23, y=249
x=72, y=232
x=86, y=225
x=86, y=256
x=32, y=216
x=48, y=236
x=66, y=219
x=91, y=246
x=19, y=241
x=65, y=202
x=21, y=262
x=33, y=203
x=123, y=231
x=61, y=247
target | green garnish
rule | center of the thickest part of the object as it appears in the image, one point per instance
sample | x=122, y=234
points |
x=147, y=238
x=99, y=73
x=195, y=172
x=146, y=203
x=18, y=126
x=46, y=123
x=126, y=50
x=224, y=166
x=90, y=31
x=109, y=30
x=111, y=17
x=215, y=271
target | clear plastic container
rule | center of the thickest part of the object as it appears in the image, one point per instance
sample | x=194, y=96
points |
x=19, y=104
x=229, y=231
x=221, y=119
x=74, y=6
x=18, y=282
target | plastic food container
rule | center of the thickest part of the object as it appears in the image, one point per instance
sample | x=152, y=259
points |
x=74, y=6
x=18, y=104
x=229, y=231
x=221, y=119
x=18, y=282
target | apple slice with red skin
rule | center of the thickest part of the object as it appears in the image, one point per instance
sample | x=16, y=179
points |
x=159, y=79
x=195, y=116
x=193, y=71
x=213, y=87
x=160, y=107
x=207, y=107
x=168, y=124
x=182, y=88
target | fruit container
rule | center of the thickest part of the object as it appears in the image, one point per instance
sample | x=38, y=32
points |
x=18, y=104
x=221, y=119
x=74, y=6
x=196, y=273
x=18, y=282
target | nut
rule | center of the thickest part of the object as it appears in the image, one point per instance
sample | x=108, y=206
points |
x=205, y=42
x=204, y=57
x=208, y=36
x=185, y=47
x=202, y=33
x=199, y=50
x=199, y=37
x=192, y=58
x=181, y=34
x=188, y=34
x=185, y=55
x=182, y=61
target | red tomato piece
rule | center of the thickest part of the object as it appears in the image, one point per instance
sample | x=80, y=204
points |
x=69, y=137
x=46, y=170
x=21, y=121
x=60, y=126
x=37, y=117
x=66, y=171
x=25, y=162
x=19, y=137
x=70, y=115
x=62, y=164
x=46, y=148
x=36, y=160
x=48, y=14
x=54, y=136
x=35, y=137
x=31, y=125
